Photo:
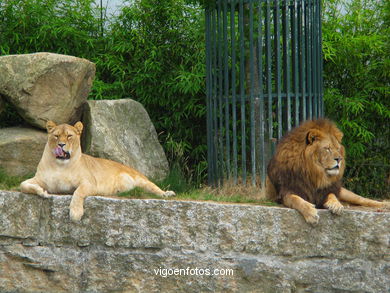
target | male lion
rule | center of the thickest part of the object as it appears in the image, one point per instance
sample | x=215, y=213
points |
x=306, y=171
x=65, y=169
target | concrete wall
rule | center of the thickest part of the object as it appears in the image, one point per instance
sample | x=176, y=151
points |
x=120, y=244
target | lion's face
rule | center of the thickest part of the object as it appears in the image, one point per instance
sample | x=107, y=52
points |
x=64, y=140
x=326, y=152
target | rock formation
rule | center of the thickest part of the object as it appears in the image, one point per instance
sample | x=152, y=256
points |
x=133, y=245
x=121, y=130
x=46, y=86
x=21, y=150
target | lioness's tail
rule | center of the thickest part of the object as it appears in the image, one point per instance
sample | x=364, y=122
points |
x=153, y=188
x=132, y=178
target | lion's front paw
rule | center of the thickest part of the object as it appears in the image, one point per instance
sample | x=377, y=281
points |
x=386, y=205
x=334, y=206
x=311, y=215
x=76, y=213
x=169, y=193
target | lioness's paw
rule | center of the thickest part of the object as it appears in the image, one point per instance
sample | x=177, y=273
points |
x=311, y=216
x=44, y=193
x=76, y=213
x=169, y=193
x=334, y=206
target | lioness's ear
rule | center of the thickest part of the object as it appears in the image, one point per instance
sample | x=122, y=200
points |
x=313, y=135
x=50, y=126
x=79, y=127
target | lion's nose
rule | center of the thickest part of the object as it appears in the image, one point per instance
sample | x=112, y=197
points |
x=338, y=159
x=61, y=144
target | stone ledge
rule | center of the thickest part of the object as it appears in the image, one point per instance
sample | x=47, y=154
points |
x=120, y=242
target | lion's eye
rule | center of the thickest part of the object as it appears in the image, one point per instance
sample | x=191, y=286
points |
x=69, y=136
x=328, y=149
x=56, y=136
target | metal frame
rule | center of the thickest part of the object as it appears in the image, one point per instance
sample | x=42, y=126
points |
x=264, y=76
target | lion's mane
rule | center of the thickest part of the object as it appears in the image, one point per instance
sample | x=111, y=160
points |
x=293, y=167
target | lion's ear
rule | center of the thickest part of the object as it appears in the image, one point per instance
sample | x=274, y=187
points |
x=339, y=135
x=50, y=126
x=313, y=135
x=79, y=127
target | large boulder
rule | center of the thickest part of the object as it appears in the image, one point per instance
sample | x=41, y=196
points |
x=121, y=130
x=21, y=150
x=46, y=86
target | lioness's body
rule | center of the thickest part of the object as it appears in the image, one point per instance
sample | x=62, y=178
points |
x=307, y=168
x=72, y=172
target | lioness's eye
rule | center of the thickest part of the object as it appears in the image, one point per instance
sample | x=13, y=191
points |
x=56, y=136
x=69, y=136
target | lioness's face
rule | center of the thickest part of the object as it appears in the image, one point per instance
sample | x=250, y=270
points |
x=328, y=153
x=64, y=140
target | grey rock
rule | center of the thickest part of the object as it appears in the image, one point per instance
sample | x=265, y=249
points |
x=2, y=105
x=121, y=130
x=133, y=245
x=46, y=86
x=21, y=150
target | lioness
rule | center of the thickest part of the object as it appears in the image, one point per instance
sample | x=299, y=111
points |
x=64, y=169
x=306, y=171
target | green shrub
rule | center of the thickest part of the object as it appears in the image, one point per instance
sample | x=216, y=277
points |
x=356, y=38
x=153, y=52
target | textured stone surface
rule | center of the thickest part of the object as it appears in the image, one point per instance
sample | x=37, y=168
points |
x=21, y=149
x=120, y=243
x=2, y=105
x=46, y=86
x=121, y=130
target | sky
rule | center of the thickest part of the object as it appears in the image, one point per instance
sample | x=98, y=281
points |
x=113, y=6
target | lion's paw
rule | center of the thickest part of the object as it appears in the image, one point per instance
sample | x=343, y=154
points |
x=335, y=207
x=76, y=213
x=169, y=193
x=386, y=204
x=311, y=216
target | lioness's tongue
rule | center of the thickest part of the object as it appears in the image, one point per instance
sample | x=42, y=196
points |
x=59, y=152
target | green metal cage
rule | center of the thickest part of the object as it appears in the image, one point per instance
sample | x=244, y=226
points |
x=263, y=76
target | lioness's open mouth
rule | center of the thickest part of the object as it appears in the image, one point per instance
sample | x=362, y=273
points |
x=61, y=154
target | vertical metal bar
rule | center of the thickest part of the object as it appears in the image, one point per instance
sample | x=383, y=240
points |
x=269, y=73
x=252, y=86
x=321, y=60
x=261, y=96
x=286, y=62
x=295, y=53
x=214, y=97
x=242, y=90
x=277, y=66
x=210, y=153
x=309, y=61
x=220, y=94
x=315, y=58
x=319, y=56
x=234, y=101
x=301, y=38
x=226, y=89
